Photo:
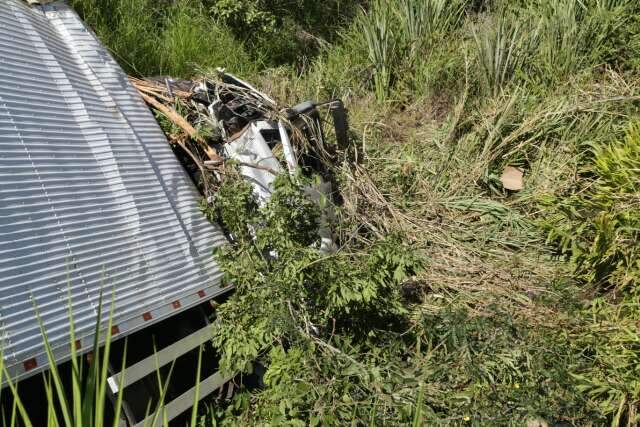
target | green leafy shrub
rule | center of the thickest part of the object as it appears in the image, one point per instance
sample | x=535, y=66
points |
x=342, y=344
x=281, y=32
x=598, y=226
x=610, y=343
x=494, y=331
x=292, y=299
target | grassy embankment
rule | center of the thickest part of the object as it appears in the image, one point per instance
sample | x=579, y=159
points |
x=485, y=307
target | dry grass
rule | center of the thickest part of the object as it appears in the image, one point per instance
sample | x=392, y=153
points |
x=417, y=175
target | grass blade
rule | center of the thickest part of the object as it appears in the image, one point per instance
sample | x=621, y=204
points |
x=55, y=374
x=118, y=406
x=196, y=398
x=101, y=384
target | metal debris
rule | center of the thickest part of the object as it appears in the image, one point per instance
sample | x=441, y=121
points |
x=214, y=121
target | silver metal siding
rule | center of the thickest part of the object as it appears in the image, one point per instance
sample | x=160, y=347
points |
x=91, y=196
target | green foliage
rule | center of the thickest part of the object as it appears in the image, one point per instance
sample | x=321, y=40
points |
x=281, y=31
x=497, y=370
x=230, y=200
x=192, y=41
x=612, y=345
x=399, y=30
x=291, y=299
x=614, y=32
x=571, y=35
x=127, y=27
x=343, y=69
x=87, y=405
x=154, y=38
x=563, y=34
x=598, y=225
x=341, y=344
x=502, y=48
x=289, y=220
x=245, y=14
x=377, y=27
x=423, y=20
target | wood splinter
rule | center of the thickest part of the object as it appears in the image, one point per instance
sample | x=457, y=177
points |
x=181, y=122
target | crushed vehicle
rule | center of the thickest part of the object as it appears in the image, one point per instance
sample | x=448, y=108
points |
x=98, y=205
x=227, y=119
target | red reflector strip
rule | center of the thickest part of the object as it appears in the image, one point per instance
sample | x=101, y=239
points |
x=202, y=294
x=147, y=316
x=115, y=330
x=30, y=364
x=176, y=304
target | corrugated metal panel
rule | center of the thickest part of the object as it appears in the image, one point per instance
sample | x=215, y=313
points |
x=91, y=196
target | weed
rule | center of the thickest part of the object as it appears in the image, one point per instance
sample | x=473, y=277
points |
x=192, y=41
x=127, y=27
x=562, y=38
x=280, y=32
x=82, y=400
x=598, y=226
x=423, y=19
x=154, y=38
x=502, y=48
x=377, y=27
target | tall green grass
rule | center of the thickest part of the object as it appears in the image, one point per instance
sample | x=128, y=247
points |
x=88, y=389
x=600, y=225
x=502, y=48
x=422, y=19
x=176, y=38
x=377, y=27
x=191, y=41
x=564, y=34
x=397, y=32
x=537, y=44
x=127, y=27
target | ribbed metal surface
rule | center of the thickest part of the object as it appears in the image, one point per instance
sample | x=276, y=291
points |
x=91, y=196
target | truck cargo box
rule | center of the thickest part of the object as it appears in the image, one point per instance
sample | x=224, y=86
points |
x=92, y=198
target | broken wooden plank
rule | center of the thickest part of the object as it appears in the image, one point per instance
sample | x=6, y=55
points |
x=181, y=122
